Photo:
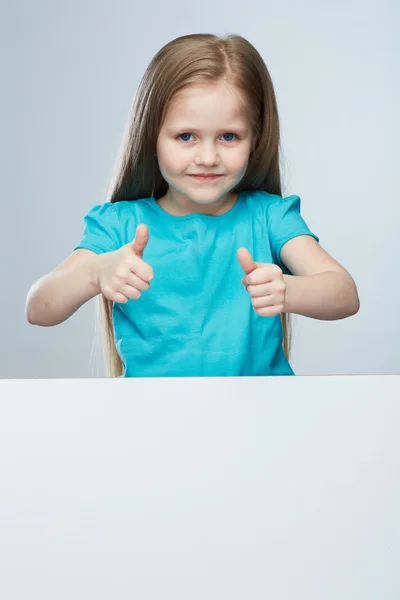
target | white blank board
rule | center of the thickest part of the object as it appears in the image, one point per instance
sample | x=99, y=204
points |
x=278, y=488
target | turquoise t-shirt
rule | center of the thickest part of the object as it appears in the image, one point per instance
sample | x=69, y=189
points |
x=197, y=319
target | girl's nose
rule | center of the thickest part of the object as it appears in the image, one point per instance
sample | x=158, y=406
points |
x=207, y=155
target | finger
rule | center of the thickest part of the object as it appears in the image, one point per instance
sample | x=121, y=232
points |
x=259, y=290
x=246, y=260
x=141, y=269
x=138, y=283
x=139, y=243
x=269, y=311
x=264, y=274
x=263, y=301
x=130, y=291
x=120, y=298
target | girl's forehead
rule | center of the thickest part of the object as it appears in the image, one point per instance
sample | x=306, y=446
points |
x=195, y=101
x=209, y=92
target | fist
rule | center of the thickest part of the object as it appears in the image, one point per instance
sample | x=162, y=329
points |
x=265, y=284
x=124, y=275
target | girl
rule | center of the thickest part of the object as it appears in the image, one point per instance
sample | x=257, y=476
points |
x=195, y=211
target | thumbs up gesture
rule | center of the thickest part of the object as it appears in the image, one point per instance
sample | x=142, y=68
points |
x=123, y=274
x=265, y=284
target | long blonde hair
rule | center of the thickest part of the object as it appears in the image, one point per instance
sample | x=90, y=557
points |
x=186, y=61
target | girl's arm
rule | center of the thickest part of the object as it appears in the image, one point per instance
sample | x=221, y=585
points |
x=56, y=296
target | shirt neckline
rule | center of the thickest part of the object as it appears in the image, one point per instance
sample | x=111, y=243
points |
x=170, y=217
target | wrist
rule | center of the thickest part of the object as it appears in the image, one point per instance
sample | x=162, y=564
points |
x=96, y=265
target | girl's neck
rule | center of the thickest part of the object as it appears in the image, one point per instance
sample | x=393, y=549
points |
x=214, y=210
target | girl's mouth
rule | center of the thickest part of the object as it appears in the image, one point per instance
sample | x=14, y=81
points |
x=205, y=177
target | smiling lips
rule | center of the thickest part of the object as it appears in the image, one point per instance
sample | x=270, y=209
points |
x=205, y=177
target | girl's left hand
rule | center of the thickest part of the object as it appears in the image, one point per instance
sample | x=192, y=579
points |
x=265, y=284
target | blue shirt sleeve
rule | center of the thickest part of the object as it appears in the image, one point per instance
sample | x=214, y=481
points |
x=284, y=223
x=102, y=229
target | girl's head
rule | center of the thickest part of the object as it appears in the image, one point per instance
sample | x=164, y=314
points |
x=219, y=86
x=206, y=130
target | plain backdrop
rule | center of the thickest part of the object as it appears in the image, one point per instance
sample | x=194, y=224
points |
x=69, y=73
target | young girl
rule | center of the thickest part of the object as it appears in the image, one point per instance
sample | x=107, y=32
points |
x=196, y=255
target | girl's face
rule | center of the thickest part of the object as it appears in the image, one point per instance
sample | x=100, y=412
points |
x=205, y=131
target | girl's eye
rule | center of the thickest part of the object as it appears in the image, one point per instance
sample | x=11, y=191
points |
x=186, y=140
x=230, y=134
x=181, y=134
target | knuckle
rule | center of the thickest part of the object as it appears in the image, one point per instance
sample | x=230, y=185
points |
x=120, y=272
x=106, y=289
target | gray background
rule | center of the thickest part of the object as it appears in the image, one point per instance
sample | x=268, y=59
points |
x=69, y=73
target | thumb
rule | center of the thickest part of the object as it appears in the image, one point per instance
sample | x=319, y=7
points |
x=140, y=241
x=246, y=260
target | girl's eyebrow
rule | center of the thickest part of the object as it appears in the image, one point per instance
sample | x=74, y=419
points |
x=240, y=130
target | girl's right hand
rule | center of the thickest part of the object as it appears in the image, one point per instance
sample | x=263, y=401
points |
x=123, y=274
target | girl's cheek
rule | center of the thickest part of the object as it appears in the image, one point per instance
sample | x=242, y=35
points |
x=238, y=159
x=176, y=163
x=166, y=159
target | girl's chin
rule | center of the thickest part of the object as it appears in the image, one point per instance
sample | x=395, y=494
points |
x=201, y=193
